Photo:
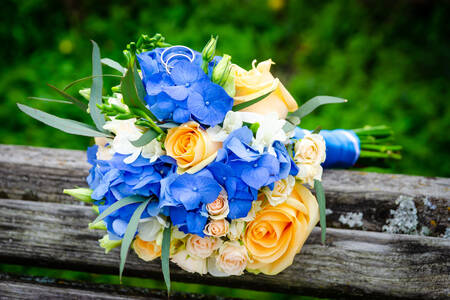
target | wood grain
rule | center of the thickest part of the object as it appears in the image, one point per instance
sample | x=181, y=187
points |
x=352, y=264
x=41, y=174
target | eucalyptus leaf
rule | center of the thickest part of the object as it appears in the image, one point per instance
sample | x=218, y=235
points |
x=288, y=127
x=320, y=195
x=168, y=125
x=131, y=95
x=66, y=125
x=129, y=234
x=146, y=138
x=246, y=104
x=96, y=89
x=165, y=253
x=70, y=98
x=113, y=64
x=313, y=103
x=49, y=100
x=139, y=85
x=88, y=78
x=117, y=205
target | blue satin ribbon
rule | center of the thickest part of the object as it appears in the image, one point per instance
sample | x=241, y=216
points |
x=342, y=147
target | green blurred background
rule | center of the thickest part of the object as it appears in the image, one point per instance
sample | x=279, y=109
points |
x=389, y=58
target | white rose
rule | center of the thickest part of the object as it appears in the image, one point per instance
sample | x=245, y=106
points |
x=237, y=228
x=218, y=209
x=232, y=258
x=202, y=247
x=190, y=263
x=307, y=173
x=310, y=149
x=217, y=228
x=281, y=191
x=151, y=229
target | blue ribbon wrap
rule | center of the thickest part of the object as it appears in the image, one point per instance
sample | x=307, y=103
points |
x=342, y=147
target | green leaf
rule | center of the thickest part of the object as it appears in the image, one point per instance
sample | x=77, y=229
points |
x=315, y=102
x=113, y=64
x=70, y=98
x=165, y=253
x=66, y=125
x=49, y=100
x=320, y=194
x=88, y=78
x=146, y=138
x=139, y=85
x=117, y=205
x=246, y=104
x=129, y=234
x=96, y=89
x=288, y=127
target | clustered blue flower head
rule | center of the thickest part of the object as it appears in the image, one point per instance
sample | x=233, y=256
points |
x=112, y=180
x=179, y=90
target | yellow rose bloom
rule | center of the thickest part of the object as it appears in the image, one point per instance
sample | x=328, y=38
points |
x=191, y=146
x=258, y=82
x=146, y=250
x=278, y=233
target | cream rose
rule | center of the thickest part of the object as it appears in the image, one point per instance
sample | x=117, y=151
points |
x=191, y=146
x=281, y=191
x=146, y=250
x=310, y=149
x=202, y=247
x=218, y=209
x=190, y=263
x=217, y=228
x=307, y=173
x=232, y=258
x=258, y=82
x=278, y=233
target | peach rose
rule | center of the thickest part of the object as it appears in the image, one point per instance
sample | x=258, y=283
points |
x=202, y=247
x=279, y=232
x=218, y=209
x=258, y=82
x=232, y=258
x=146, y=250
x=191, y=146
x=217, y=228
x=190, y=263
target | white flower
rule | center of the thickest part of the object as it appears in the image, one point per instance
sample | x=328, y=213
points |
x=310, y=149
x=281, y=191
x=153, y=150
x=308, y=172
x=202, y=247
x=232, y=258
x=233, y=120
x=237, y=228
x=256, y=206
x=104, y=148
x=190, y=263
x=151, y=229
x=270, y=130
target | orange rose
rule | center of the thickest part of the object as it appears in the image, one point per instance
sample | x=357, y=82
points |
x=258, y=82
x=191, y=146
x=278, y=233
x=146, y=250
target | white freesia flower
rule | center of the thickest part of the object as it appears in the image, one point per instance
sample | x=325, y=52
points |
x=153, y=150
x=310, y=149
x=151, y=229
x=281, y=191
x=237, y=228
x=309, y=172
x=190, y=263
x=270, y=130
x=233, y=120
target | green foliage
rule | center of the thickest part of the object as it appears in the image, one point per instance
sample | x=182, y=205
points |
x=389, y=59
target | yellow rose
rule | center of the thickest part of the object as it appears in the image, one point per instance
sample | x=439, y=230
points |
x=258, y=82
x=146, y=250
x=278, y=233
x=191, y=146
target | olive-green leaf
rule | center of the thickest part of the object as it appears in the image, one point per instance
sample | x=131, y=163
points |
x=117, y=205
x=315, y=102
x=320, y=195
x=88, y=78
x=146, y=138
x=246, y=104
x=70, y=98
x=165, y=253
x=129, y=87
x=129, y=234
x=66, y=125
x=113, y=64
x=96, y=89
x=49, y=100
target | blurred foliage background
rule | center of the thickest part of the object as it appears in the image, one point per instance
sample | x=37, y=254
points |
x=390, y=59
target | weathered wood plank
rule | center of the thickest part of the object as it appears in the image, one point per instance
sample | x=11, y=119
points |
x=30, y=287
x=353, y=263
x=41, y=174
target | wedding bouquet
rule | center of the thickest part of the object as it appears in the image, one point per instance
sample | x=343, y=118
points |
x=197, y=160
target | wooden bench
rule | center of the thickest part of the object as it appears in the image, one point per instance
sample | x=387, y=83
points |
x=40, y=226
